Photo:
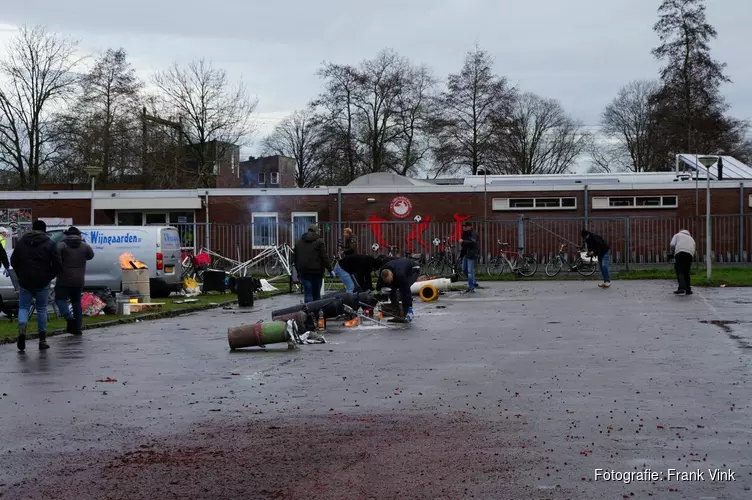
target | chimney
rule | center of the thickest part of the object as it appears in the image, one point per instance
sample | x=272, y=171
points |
x=720, y=168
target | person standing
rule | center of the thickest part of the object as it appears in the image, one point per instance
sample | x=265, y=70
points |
x=400, y=274
x=469, y=254
x=74, y=254
x=598, y=247
x=349, y=248
x=36, y=262
x=683, y=251
x=3, y=258
x=350, y=244
x=311, y=260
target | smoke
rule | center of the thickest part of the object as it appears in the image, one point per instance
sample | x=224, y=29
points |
x=263, y=203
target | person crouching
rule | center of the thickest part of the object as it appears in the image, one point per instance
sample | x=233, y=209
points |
x=400, y=274
x=683, y=250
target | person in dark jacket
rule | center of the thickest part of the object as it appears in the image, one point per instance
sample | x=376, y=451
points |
x=311, y=260
x=74, y=254
x=350, y=245
x=36, y=262
x=400, y=274
x=598, y=247
x=4, y=261
x=349, y=248
x=360, y=268
x=469, y=254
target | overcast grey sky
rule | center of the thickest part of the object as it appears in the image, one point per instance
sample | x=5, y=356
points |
x=578, y=51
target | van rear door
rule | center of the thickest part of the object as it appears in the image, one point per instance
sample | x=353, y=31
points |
x=170, y=250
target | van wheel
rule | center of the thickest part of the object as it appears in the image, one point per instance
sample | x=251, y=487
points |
x=160, y=294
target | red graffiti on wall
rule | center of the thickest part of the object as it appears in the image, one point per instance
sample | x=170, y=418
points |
x=375, y=222
x=417, y=229
x=458, y=220
x=417, y=234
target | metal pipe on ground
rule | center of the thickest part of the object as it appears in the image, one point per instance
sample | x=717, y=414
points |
x=332, y=304
x=303, y=319
x=256, y=335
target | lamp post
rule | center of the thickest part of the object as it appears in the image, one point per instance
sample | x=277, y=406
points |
x=92, y=172
x=707, y=161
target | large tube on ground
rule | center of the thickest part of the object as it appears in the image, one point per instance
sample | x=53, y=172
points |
x=332, y=306
x=441, y=284
x=257, y=334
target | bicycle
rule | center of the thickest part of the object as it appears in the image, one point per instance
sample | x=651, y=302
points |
x=523, y=264
x=447, y=258
x=194, y=265
x=584, y=266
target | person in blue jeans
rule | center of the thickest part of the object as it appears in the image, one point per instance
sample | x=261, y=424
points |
x=349, y=248
x=469, y=254
x=74, y=253
x=36, y=261
x=598, y=247
x=311, y=260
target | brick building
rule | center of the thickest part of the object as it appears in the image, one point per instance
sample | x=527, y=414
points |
x=636, y=212
x=268, y=172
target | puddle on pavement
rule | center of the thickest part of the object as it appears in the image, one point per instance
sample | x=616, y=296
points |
x=725, y=325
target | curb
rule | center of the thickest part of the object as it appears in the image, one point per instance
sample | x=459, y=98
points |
x=127, y=320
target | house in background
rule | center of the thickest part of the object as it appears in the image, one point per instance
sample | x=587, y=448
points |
x=268, y=172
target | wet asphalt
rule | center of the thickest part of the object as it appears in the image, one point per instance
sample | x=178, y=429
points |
x=625, y=379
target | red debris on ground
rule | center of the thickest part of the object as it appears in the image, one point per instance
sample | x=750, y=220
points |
x=405, y=456
x=108, y=379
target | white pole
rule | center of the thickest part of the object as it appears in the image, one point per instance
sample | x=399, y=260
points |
x=91, y=218
x=707, y=228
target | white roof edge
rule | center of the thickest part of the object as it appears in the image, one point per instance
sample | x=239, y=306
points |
x=495, y=188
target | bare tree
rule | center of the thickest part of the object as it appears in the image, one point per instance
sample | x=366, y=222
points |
x=37, y=75
x=604, y=156
x=383, y=80
x=475, y=100
x=414, y=108
x=628, y=123
x=340, y=128
x=102, y=128
x=299, y=136
x=214, y=114
x=372, y=113
x=537, y=138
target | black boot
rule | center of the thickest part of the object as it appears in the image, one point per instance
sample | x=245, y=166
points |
x=21, y=343
x=43, y=341
x=70, y=326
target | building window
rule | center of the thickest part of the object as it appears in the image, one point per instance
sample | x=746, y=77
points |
x=274, y=178
x=300, y=223
x=265, y=230
x=130, y=219
x=262, y=178
x=185, y=223
x=635, y=202
x=568, y=203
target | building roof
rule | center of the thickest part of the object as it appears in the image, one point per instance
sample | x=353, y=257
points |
x=732, y=168
x=387, y=179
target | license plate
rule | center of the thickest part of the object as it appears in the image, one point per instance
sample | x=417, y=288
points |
x=169, y=269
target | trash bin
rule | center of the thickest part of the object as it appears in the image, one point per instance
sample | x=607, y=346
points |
x=214, y=281
x=244, y=286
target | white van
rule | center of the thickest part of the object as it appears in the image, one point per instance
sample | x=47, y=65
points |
x=156, y=246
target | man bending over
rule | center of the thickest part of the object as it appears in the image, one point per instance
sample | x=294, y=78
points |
x=400, y=274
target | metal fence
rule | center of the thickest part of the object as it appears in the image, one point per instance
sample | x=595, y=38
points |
x=634, y=240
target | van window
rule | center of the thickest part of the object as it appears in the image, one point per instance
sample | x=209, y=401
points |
x=56, y=236
x=171, y=239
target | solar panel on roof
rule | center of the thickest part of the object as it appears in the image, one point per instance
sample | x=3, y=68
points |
x=732, y=168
